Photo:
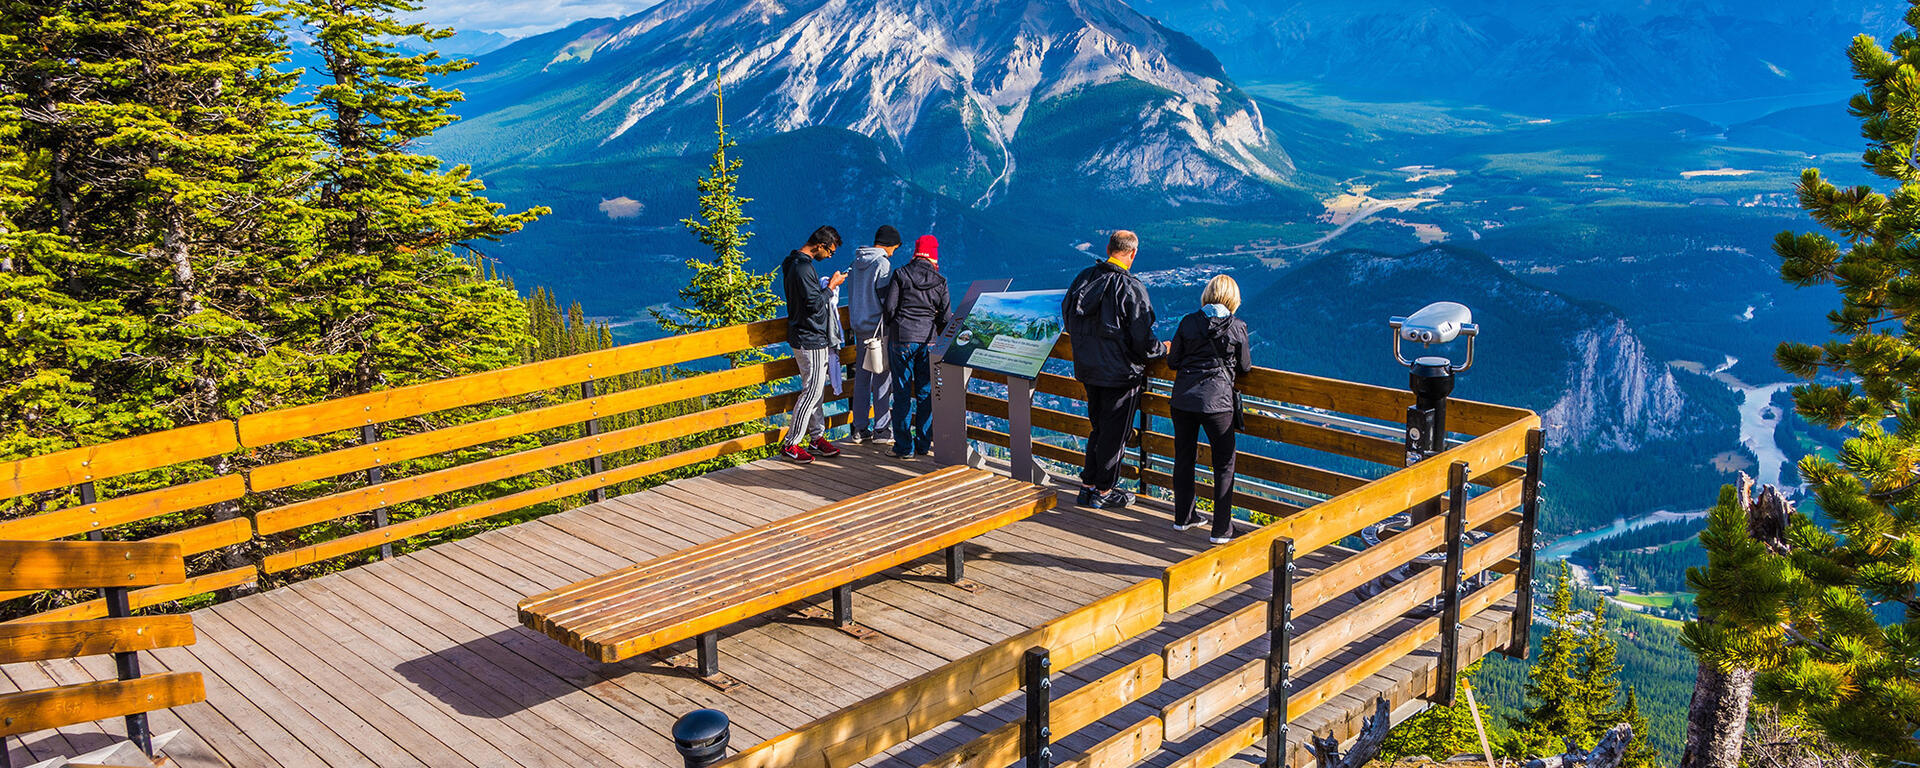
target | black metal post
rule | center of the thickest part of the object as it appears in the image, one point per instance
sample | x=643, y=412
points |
x=843, y=606
x=701, y=737
x=597, y=464
x=1279, y=652
x=369, y=434
x=127, y=664
x=1454, y=572
x=708, y=654
x=1431, y=379
x=87, y=497
x=956, y=563
x=1529, y=525
x=1036, y=732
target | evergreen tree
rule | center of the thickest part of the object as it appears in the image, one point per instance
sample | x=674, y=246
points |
x=1556, y=708
x=392, y=221
x=1807, y=624
x=723, y=291
x=1438, y=732
x=1596, y=679
x=1640, y=751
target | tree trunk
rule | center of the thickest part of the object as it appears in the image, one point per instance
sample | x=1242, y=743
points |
x=1717, y=718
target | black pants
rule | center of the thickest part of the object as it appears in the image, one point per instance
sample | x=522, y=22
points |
x=1111, y=409
x=1186, y=448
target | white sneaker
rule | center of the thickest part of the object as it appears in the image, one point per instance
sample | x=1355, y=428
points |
x=1218, y=540
x=1187, y=527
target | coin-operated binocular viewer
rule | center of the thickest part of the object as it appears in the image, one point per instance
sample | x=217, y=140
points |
x=1431, y=377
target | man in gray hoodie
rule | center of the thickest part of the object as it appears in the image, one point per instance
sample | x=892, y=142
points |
x=866, y=286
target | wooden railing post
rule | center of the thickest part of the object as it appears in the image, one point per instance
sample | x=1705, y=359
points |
x=1036, y=732
x=597, y=464
x=127, y=665
x=1517, y=647
x=1451, y=577
x=1279, y=652
x=370, y=433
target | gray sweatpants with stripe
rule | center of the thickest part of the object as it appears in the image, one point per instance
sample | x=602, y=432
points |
x=809, y=419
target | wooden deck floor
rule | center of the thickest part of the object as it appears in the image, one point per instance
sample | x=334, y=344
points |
x=419, y=660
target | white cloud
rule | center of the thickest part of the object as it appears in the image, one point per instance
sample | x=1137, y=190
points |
x=519, y=18
x=621, y=207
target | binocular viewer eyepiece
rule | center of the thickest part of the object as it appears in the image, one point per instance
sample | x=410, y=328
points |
x=1441, y=322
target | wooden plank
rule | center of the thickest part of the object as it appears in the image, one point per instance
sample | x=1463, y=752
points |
x=209, y=537
x=36, y=565
x=1212, y=571
x=387, y=405
x=69, y=704
x=1233, y=742
x=420, y=486
x=1122, y=750
x=442, y=520
x=66, y=639
x=388, y=452
x=893, y=716
x=1068, y=714
x=152, y=596
x=131, y=508
x=103, y=460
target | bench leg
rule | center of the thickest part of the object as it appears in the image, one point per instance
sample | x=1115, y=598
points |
x=843, y=606
x=709, y=654
x=956, y=563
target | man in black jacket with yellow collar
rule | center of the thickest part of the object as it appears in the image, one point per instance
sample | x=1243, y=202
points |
x=1110, y=321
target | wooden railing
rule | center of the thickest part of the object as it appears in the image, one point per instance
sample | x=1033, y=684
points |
x=292, y=477
x=115, y=567
x=301, y=471
x=1499, y=436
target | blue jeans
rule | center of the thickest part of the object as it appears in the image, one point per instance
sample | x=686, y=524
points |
x=912, y=399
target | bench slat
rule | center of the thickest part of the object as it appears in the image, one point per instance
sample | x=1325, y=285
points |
x=646, y=606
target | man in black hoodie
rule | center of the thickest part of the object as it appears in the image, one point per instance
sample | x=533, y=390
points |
x=810, y=333
x=1109, y=319
x=916, y=308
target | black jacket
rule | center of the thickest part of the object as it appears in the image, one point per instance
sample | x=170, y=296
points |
x=809, y=307
x=1208, y=358
x=1110, y=319
x=916, y=303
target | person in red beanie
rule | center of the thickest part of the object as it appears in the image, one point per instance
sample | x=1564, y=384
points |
x=916, y=309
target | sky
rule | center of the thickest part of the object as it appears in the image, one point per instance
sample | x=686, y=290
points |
x=519, y=18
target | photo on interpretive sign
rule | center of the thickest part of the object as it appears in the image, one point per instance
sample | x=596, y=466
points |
x=1010, y=333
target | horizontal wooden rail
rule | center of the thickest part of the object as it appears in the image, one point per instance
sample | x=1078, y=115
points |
x=70, y=639
x=37, y=565
x=131, y=508
x=865, y=729
x=31, y=711
x=128, y=455
x=1131, y=745
x=152, y=596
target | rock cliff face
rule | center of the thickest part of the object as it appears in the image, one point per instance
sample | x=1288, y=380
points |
x=964, y=96
x=1617, y=397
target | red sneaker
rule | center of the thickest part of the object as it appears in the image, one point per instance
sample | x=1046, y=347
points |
x=797, y=454
x=821, y=447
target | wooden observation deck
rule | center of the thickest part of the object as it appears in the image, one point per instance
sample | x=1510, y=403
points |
x=1158, y=641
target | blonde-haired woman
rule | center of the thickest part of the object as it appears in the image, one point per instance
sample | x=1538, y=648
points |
x=1208, y=357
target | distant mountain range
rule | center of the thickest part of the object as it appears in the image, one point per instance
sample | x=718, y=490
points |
x=968, y=99
x=1541, y=56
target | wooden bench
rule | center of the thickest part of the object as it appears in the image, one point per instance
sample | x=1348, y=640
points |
x=113, y=567
x=695, y=592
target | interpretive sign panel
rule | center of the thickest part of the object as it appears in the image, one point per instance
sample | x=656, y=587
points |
x=1010, y=333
